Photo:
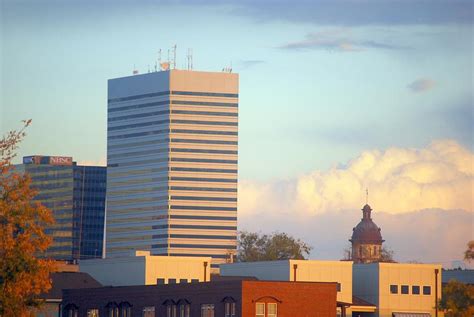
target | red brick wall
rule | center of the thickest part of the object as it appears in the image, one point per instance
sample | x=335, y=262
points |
x=294, y=299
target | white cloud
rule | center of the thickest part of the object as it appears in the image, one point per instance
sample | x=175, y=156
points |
x=399, y=180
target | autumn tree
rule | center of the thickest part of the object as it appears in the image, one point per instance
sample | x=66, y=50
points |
x=254, y=246
x=457, y=299
x=23, y=276
x=469, y=253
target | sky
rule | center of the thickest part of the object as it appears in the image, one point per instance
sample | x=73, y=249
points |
x=335, y=97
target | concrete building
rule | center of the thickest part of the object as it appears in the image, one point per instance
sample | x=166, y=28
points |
x=172, y=164
x=227, y=299
x=366, y=239
x=76, y=196
x=398, y=289
x=142, y=268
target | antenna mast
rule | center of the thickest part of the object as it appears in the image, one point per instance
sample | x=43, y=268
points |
x=174, y=56
x=190, y=59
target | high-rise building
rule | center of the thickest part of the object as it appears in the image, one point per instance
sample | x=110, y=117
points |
x=76, y=196
x=172, y=164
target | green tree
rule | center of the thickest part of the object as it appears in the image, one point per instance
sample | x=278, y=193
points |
x=23, y=276
x=469, y=253
x=254, y=246
x=457, y=299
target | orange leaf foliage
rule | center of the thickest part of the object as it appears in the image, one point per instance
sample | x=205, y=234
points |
x=23, y=276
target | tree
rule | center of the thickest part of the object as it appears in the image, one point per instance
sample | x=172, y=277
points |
x=469, y=253
x=254, y=246
x=457, y=299
x=23, y=276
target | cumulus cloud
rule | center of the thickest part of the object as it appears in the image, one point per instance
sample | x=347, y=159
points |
x=430, y=235
x=399, y=180
x=337, y=40
x=422, y=85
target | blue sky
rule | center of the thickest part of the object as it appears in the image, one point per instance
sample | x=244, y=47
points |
x=320, y=83
x=315, y=90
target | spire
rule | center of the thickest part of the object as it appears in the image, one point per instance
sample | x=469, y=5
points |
x=366, y=196
x=366, y=212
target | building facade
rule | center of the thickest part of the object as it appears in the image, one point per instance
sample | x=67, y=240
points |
x=172, y=164
x=366, y=239
x=228, y=299
x=399, y=289
x=76, y=196
x=145, y=269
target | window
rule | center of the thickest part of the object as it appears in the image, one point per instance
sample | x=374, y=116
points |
x=272, y=310
x=94, y=312
x=404, y=289
x=194, y=280
x=393, y=289
x=171, y=281
x=184, y=310
x=149, y=311
x=112, y=310
x=260, y=310
x=207, y=310
x=338, y=287
x=171, y=311
x=125, y=309
x=229, y=309
x=160, y=281
x=71, y=310
x=415, y=290
x=183, y=281
x=426, y=290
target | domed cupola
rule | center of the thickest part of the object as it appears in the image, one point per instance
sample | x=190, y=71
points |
x=366, y=239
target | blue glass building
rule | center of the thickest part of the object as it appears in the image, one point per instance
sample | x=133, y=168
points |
x=76, y=196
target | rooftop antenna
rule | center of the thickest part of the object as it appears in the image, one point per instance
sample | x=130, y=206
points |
x=159, y=58
x=135, y=71
x=190, y=58
x=174, y=56
x=148, y=68
x=366, y=196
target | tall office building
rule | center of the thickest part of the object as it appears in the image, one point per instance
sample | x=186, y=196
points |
x=172, y=164
x=76, y=196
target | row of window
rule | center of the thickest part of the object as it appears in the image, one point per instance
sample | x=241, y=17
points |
x=405, y=289
x=163, y=131
x=167, y=111
x=173, y=92
x=173, y=140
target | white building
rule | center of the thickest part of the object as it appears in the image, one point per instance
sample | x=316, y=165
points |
x=145, y=269
x=172, y=164
x=398, y=289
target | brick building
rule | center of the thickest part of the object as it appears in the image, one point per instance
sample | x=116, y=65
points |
x=235, y=298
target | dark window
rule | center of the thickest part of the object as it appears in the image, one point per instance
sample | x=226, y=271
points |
x=393, y=289
x=203, y=198
x=230, y=309
x=209, y=94
x=415, y=290
x=426, y=290
x=204, y=122
x=171, y=281
x=160, y=281
x=207, y=113
x=207, y=310
x=205, y=103
x=404, y=289
x=338, y=288
x=194, y=280
x=203, y=132
x=183, y=281
x=154, y=94
x=203, y=170
x=194, y=160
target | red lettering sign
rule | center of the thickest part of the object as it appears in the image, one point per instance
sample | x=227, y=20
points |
x=60, y=160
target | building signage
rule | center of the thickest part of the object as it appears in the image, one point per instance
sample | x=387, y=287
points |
x=60, y=160
x=28, y=160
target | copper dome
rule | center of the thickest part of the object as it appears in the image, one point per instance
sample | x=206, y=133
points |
x=366, y=232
